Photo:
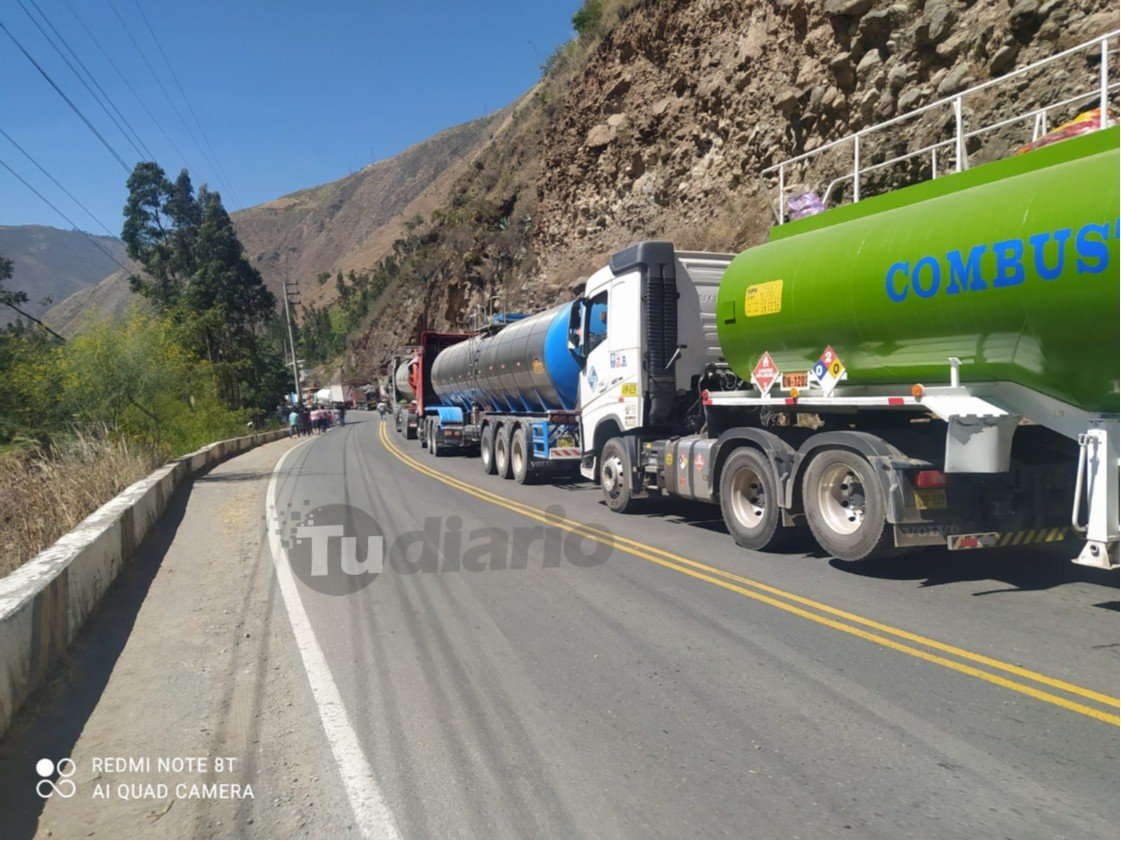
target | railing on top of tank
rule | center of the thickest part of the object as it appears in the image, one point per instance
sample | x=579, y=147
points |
x=1038, y=116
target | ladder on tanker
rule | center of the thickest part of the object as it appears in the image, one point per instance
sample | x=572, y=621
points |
x=859, y=165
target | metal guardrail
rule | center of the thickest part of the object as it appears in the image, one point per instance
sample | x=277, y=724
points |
x=1100, y=93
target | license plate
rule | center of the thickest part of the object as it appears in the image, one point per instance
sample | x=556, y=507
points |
x=980, y=540
x=930, y=499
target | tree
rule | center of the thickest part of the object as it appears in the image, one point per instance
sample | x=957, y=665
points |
x=198, y=276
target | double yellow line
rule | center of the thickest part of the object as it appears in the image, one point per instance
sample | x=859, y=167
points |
x=975, y=665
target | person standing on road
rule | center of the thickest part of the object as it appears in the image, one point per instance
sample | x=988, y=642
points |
x=342, y=414
x=382, y=409
x=293, y=423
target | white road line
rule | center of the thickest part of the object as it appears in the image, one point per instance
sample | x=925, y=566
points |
x=370, y=810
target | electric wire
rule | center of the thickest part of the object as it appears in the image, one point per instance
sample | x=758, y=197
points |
x=183, y=93
x=159, y=82
x=67, y=99
x=85, y=84
x=69, y=221
x=57, y=183
x=105, y=54
x=93, y=79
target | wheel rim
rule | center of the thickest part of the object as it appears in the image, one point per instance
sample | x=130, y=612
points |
x=749, y=498
x=518, y=457
x=484, y=451
x=840, y=499
x=500, y=456
x=612, y=476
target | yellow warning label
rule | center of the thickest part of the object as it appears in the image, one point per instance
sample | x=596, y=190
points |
x=629, y=390
x=763, y=298
x=538, y=366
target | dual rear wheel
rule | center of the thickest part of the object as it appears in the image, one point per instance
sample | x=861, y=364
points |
x=842, y=497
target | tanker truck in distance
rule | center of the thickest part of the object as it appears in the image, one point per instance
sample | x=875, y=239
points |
x=508, y=392
x=934, y=366
x=402, y=398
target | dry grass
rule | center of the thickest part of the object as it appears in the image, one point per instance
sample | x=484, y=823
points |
x=45, y=494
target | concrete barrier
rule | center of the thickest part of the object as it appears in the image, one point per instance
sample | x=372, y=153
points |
x=45, y=601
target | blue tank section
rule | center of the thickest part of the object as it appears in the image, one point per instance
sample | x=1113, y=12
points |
x=524, y=367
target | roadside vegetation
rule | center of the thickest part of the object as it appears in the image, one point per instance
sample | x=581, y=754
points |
x=82, y=418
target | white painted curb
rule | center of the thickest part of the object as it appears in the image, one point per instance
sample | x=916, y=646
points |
x=45, y=601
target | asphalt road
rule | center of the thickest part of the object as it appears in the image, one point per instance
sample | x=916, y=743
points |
x=602, y=687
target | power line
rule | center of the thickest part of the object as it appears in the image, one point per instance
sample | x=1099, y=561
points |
x=96, y=84
x=55, y=181
x=85, y=84
x=127, y=83
x=69, y=221
x=75, y=108
x=183, y=93
x=159, y=81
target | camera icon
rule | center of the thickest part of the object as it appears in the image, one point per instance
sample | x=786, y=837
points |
x=64, y=787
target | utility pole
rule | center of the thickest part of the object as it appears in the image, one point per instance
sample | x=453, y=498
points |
x=289, y=290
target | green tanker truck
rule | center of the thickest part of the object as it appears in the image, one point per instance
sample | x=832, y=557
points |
x=937, y=365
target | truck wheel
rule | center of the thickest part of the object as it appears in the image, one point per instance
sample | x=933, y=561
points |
x=410, y=430
x=615, y=477
x=434, y=448
x=749, y=501
x=502, y=453
x=845, y=506
x=519, y=458
x=422, y=432
x=486, y=450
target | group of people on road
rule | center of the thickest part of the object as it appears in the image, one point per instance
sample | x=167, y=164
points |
x=305, y=420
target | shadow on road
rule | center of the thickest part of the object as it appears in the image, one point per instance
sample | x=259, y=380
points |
x=1022, y=569
x=52, y=719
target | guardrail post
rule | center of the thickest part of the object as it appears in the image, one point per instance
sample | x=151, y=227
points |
x=781, y=193
x=856, y=167
x=933, y=163
x=1103, y=119
x=959, y=139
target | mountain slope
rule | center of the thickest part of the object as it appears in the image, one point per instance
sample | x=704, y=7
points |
x=345, y=224
x=658, y=126
x=48, y=262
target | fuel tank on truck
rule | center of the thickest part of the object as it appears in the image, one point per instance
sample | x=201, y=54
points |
x=1011, y=266
x=524, y=367
x=402, y=381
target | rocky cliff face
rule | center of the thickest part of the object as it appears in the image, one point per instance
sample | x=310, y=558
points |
x=664, y=126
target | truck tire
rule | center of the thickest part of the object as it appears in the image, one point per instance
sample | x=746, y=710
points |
x=486, y=450
x=615, y=471
x=434, y=448
x=845, y=506
x=410, y=430
x=502, y=453
x=519, y=458
x=749, y=501
x=422, y=432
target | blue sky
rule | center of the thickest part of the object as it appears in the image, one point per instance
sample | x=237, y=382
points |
x=289, y=93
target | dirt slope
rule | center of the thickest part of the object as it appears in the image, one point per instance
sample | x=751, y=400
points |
x=659, y=125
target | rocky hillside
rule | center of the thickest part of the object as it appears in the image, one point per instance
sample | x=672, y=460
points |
x=51, y=263
x=658, y=123
x=352, y=222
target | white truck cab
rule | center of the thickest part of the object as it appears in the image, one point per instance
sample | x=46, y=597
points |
x=643, y=330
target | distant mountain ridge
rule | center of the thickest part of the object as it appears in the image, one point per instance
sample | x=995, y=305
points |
x=349, y=223
x=49, y=262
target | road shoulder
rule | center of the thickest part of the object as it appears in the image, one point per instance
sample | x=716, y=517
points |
x=183, y=703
